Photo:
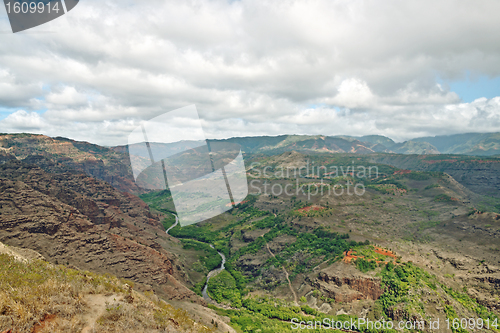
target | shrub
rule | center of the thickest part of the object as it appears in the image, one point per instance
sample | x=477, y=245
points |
x=365, y=265
x=443, y=198
x=222, y=288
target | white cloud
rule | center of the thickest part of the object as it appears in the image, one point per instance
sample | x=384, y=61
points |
x=353, y=93
x=24, y=121
x=17, y=93
x=67, y=97
x=254, y=67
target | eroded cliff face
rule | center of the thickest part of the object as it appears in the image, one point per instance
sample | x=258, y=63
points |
x=345, y=284
x=96, y=161
x=76, y=220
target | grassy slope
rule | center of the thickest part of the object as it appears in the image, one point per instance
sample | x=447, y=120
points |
x=34, y=292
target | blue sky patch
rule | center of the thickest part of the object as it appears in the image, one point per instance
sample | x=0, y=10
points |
x=474, y=87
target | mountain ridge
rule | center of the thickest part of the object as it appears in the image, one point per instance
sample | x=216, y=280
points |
x=475, y=144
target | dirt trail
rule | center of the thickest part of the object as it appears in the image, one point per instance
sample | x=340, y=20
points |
x=351, y=255
x=97, y=305
x=286, y=274
x=385, y=252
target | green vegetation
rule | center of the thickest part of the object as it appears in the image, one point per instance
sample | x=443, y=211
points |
x=388, y=186
x=198, y=232
x=470, y=304
x=418, y=175
x=270, y=315
x=367, y=258
x=365, y=265
x=161, y=201
x=434, y=185
x=248, y=321
x=368, y=252
x=222, y=289
x=443, y=198
x=401, y=284
x=210, y=259
x=267, y=222
x=168, y=221
x=320, y=243
x=205, y=232
x=399, y=280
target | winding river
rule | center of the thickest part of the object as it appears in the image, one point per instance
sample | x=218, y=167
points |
x=212, y=273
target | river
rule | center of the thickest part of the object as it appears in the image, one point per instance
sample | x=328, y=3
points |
x=212, y=273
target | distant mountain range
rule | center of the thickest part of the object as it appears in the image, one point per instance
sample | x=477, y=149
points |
x=109, y=163
x=484, y=144
x=480, y=144
x=475, y=144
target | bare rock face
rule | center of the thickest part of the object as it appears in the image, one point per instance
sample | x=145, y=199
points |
x=76, y=220
x=344, y=283
x=99, y=162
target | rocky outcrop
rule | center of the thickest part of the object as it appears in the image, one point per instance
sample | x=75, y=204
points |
x=344, y=283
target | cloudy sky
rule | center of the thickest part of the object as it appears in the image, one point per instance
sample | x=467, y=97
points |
x=253, y=67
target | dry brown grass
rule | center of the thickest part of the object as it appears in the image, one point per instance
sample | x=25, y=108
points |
x=36, y=296
x=146, y=314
